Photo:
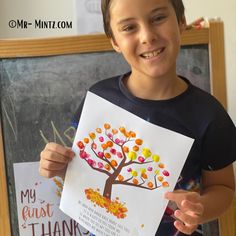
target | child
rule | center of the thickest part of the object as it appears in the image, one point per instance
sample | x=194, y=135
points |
x=147, y=33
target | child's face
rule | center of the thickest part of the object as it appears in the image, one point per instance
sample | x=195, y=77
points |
x=147, y=33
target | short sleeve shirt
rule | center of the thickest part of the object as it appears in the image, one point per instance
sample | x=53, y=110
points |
x=194, y=113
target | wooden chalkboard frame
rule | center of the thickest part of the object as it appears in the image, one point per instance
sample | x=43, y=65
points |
x=18, y=48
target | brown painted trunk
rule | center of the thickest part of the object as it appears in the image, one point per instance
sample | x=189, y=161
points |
x=110, y=181
x=108, y=187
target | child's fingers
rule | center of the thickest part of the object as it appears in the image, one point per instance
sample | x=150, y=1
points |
x=195, y=208
x=48, y=155
x=54, y=159
x=185, y=228
x=50, y=169
x=56, y=148
x=57, y=153
x=188, y=219
x=190, y=210
x=179, y=197
x=52, y=165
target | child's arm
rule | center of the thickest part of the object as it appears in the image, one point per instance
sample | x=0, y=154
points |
x=216, y=197
x=54, y=159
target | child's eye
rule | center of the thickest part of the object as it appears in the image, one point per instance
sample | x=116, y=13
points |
x=128, y=28
x=158, y=18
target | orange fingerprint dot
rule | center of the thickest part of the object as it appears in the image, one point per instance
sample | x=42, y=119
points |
x=125, y=149
x=135, y=148
x=120, y=178
x=107, y=126
x=150, y=184
x=144, y=176
x=165, y=184
x=107, y=155
x=98, y=130
x=135, y=181
x=92, y=135
x=109, y=143
x=161, y=165
x=104, y=146
x=114, y=131
x=160, y=178
x=114, y=163
x=139, y=141
x=132, y=134
x=80, y=145
x=86, y=140
x=122, y=129
x=107, y=167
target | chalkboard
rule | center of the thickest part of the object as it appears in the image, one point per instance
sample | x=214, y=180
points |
x=40, y=94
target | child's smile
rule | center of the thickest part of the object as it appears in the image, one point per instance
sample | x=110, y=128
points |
x=148, y=36
x=152, y=54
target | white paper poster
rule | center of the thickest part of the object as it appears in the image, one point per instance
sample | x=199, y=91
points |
x=38, y=204
x=89, y=17
x=123, y=166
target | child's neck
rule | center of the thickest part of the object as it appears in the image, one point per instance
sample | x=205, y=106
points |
x=155, y=89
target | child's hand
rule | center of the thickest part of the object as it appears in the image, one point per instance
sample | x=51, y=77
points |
x=189, y=212
x=54, y=159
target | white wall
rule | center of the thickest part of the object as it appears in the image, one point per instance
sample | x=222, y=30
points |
x=226, y=11
x=29, y=10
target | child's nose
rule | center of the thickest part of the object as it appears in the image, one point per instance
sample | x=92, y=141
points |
x=147, y=35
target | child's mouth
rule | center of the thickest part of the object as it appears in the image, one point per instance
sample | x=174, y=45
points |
x=149, y=55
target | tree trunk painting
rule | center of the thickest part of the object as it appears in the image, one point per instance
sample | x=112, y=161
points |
x=121, y=156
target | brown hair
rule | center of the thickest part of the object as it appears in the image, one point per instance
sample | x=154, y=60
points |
x=105, y=6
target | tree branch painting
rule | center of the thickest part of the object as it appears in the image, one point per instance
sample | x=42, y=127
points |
x=124, y=159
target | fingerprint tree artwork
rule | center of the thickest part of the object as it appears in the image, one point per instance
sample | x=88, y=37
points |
x=123, y=158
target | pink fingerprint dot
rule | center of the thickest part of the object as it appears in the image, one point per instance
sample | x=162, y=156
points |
x=83, y=155
x=101, y=154
x=165, y=172
x=141, y=159
x=101, y=139
x=117, y=141
x=122, y=141
x=113, y=151
x=90, y=162
x=100, y=165
x=119, y=154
